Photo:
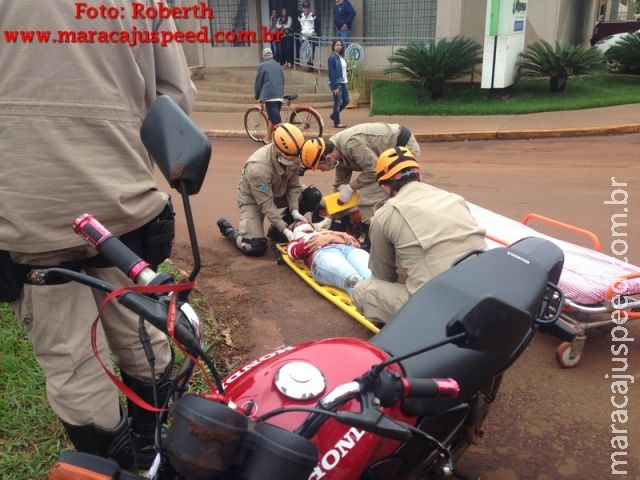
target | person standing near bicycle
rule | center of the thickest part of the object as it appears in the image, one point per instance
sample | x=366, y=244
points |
x=269, y=89
x=269, y=183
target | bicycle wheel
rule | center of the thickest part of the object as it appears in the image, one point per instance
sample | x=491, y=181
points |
x=307, y=120
x=256, y=124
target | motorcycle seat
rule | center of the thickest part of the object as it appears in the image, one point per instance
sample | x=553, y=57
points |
x=497, y=285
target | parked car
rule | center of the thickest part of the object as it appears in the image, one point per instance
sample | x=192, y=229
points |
x=604, y=44
x=606, y=29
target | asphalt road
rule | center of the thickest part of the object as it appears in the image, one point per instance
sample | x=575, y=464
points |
x=547, y=422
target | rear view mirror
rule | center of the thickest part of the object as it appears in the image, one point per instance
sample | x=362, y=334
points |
x=179, y=148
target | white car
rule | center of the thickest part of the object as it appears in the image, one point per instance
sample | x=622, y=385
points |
x=605, y=43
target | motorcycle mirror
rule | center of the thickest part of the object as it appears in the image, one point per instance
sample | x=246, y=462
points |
x=179, y=148
x=491, y=325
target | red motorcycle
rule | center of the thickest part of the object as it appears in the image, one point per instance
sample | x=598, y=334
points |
x=405, y=404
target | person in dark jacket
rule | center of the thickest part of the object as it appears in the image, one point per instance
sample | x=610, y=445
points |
x=269, y=88
x=285, y=27
x=344, y=13
x=338, y=81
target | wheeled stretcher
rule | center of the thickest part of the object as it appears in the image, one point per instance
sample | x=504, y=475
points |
x=598, y=288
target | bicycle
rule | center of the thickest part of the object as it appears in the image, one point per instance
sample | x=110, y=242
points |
x=305, y=117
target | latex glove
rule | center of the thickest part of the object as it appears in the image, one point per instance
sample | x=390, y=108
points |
x=326, y=223
x=288, y=233
x=346, y=192
x=299, y=217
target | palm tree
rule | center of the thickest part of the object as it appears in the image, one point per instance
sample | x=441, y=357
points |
x=625, y=54
x=559, y=63
x=430, y=64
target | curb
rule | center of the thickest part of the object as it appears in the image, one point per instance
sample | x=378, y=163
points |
x=484, y=135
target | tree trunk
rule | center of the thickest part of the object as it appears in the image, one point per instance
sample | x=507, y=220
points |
x=437, y=90
x=557, y=83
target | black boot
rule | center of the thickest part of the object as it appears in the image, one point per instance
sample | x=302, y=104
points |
x=226, y=229
x=113, y=443
x=143, y=422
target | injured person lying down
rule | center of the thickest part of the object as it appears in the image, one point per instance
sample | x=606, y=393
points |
x=335, y=258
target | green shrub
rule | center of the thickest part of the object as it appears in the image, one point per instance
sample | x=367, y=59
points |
x=625, y=55
x=542, y=59
x=430, y=64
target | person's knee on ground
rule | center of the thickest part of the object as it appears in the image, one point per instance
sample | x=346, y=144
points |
x=253, y=247
x=378, y=300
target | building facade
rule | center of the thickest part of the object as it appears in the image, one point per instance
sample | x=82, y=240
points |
x=382, y=25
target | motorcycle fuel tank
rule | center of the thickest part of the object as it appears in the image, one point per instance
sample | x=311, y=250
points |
x=299, y=376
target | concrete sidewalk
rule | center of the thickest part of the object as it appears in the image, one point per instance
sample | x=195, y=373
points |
x=595, y=121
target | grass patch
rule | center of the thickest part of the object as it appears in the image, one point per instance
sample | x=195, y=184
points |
x=31, y=436
x=527, y=96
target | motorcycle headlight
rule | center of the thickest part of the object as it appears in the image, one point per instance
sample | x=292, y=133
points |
x=204, y=437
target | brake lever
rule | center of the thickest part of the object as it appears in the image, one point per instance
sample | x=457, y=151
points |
x=155, y=312
x=374, y=421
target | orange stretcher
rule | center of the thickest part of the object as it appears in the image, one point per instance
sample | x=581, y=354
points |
x=597, y=287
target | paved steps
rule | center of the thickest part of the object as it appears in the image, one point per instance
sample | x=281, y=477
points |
x=231, y=90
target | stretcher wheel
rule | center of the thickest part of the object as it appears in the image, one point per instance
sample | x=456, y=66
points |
x=563, y=356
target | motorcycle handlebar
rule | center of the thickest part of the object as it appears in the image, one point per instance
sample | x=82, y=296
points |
x=390, y=387
x=137, y=270
x=430, y=388
x=113, y=249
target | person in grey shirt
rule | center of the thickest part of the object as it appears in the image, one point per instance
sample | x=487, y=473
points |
x=269, y=88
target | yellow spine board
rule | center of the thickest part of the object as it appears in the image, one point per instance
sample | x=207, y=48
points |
x=338, y=297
